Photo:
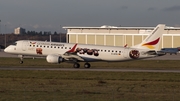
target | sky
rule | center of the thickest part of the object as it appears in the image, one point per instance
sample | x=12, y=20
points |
x=52, y=15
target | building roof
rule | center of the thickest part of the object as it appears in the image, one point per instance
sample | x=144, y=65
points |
x=114, y=27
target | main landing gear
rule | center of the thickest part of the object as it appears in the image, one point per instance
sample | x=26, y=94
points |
x=87, y=65
x=77, y=65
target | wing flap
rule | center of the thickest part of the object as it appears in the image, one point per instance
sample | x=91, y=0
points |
x=159, y=53
x=72, y=57
x=72, y=54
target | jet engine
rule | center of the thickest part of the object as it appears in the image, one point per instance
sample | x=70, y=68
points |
x=52, y=58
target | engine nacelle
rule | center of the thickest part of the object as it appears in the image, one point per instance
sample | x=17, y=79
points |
x=53, y=58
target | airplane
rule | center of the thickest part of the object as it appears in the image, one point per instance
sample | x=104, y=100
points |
x=170, y=50
x=56, y=52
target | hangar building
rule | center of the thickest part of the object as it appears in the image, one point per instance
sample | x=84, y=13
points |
x=119, y=36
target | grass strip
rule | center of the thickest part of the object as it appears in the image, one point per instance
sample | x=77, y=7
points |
x=88, y=86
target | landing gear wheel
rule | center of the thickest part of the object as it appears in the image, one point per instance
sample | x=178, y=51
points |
x=21, y=58
x=76, y=65
x=21, y=62
x=87, y=65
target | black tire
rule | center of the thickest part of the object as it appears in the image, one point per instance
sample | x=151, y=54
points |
x=21, y=62
x=76, y=65
x=87, y=65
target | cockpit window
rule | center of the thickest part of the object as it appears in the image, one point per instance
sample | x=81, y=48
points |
x=14, y=44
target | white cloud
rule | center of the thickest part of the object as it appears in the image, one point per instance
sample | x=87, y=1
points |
x=36, y=26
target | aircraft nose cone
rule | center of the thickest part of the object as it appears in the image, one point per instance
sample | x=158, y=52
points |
x=5, y=50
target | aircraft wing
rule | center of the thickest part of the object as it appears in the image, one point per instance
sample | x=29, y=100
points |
x=159, y=53
x=72, y=55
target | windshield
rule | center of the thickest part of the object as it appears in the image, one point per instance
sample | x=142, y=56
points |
x=14, y=44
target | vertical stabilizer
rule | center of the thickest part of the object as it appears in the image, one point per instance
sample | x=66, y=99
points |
x=152, y=41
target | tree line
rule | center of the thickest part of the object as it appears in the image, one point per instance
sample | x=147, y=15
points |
x=7, y=39
x=41, y=33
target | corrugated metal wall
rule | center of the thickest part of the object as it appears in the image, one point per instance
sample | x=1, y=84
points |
x=171, y=38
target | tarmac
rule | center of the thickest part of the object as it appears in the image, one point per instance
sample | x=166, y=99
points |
x=3, y=54
x=165, y=57
x=92, y=69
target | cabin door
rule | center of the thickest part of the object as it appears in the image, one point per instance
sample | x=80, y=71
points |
x=24, y=45
x=125, y=52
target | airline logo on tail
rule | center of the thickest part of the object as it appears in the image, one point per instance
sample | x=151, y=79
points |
x=151, y=44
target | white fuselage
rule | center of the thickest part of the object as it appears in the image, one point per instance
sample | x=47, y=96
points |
x=100, y=53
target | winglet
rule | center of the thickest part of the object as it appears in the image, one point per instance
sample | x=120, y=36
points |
x=125, y=45
x=72, y=49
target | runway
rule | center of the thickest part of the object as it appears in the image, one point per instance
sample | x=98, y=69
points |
x=165, y=57
x=3, y=54
x=90, y=69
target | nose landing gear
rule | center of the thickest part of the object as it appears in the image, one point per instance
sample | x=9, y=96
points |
x=21, y=59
